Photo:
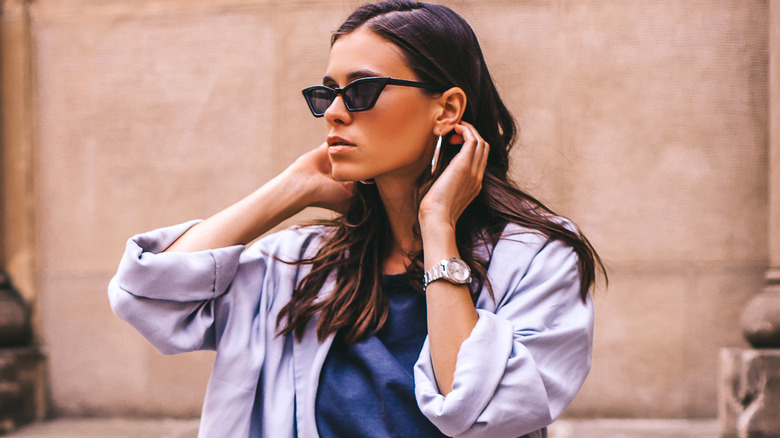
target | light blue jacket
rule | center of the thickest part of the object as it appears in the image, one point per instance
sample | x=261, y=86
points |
x=522, y=365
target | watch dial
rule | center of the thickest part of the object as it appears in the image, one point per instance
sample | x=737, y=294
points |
x=458, y=270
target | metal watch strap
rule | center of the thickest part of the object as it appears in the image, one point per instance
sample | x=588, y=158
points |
x=435, y=273
x=450, y=269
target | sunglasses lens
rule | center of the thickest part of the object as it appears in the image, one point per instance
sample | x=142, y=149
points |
x=362, y=94
x=319, y=99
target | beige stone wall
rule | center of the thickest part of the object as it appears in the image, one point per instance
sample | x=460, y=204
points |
x=774, y=147
x=644, y=121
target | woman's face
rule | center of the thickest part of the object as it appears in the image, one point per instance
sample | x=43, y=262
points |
x=395, y=138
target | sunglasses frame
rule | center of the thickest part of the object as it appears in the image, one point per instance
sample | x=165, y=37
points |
x=384, y=81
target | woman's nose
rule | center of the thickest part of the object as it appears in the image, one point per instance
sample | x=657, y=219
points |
x=337, y=111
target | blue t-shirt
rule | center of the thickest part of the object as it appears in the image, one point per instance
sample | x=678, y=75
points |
x=366, y=389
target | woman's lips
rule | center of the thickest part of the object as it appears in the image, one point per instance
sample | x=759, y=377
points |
x=334, y=140
x=339, y=149
x=338, y=145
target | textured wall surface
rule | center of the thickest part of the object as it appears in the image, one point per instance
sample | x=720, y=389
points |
x=643, y=121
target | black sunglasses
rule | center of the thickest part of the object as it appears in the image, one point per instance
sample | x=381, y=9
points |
x=358, y=95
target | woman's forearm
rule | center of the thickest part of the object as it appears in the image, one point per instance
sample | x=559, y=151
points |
x=247, y=219
x=307, y=182
x=451, y=313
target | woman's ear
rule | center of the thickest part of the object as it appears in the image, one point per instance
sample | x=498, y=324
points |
x=450, y=107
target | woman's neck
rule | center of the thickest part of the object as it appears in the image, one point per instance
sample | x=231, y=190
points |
x=401, y=208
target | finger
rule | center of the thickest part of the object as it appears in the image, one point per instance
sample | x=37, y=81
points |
x=467, y=132
x=470, y=140
x=479, y=161
x=478, y=158
x=472, y=135
x=482, y=161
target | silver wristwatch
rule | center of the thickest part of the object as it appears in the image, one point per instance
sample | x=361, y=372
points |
x=454, y=270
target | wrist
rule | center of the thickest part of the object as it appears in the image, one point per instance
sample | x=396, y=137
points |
x=434, y=216
x=439, y=243
x=295, y=187
x=436, y=231
x=435, y=221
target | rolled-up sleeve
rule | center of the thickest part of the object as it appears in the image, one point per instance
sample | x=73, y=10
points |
x=527, y=356
x=169, y=297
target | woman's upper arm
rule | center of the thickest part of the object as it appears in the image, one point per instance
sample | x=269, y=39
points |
x=169, y=297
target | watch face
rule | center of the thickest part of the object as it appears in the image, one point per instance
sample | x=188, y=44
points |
x=458, y=270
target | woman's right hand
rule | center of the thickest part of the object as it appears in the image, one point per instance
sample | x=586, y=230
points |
x=312, y=171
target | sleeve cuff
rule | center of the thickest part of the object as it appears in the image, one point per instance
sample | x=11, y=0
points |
x=148, y=272
x=475, y=380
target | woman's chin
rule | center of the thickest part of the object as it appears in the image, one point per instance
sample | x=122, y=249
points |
x=344, y=176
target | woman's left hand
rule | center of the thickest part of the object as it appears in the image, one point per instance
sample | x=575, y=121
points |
x=460, y=182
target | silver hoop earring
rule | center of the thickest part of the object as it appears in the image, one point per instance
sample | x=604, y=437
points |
x=435, y=161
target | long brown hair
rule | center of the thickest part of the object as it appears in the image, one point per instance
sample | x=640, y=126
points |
x=441, y=48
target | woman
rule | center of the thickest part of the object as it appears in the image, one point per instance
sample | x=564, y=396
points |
x=442, y=301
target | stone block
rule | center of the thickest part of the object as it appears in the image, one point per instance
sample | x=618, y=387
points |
x=15, y=329
x=659, y=306
x=151, y=118
x=100, y=366
x=749, y=393
x=22, y=398
x=606, y=123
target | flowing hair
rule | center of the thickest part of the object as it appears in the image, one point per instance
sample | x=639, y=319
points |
x=442, y=49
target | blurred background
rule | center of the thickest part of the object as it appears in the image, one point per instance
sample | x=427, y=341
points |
x=646, y=122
